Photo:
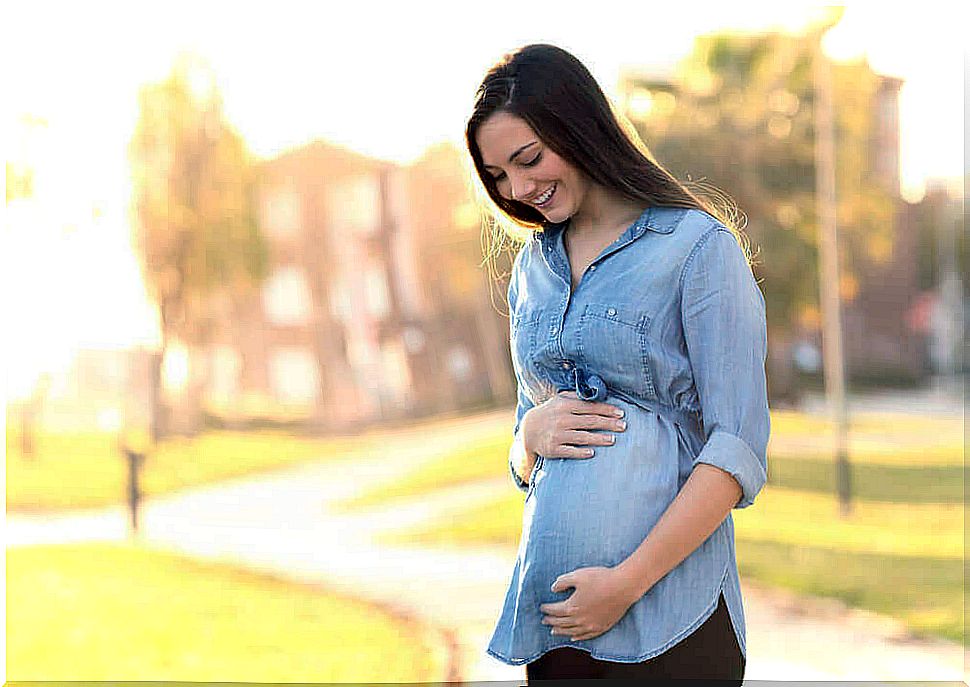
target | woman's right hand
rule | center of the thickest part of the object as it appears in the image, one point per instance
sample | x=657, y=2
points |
x=566, y=426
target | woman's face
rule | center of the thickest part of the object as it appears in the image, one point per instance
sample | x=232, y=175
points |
x=526, y=170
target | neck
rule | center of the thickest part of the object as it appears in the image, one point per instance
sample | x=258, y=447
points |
x=604, y=212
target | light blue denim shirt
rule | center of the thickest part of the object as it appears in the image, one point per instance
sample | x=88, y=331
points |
x=668, y=324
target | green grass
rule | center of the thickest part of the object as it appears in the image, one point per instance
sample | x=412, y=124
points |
x=779, y=515
x=82, y=470
x=485, y=459
x=793, y=422
x=113, y=612
x=870, y=481
x=922, y=544
x=899, y=552
x=885, y=439
x=892, y=458
x=925, y=593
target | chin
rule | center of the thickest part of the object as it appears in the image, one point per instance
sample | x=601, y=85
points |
x=556, y=215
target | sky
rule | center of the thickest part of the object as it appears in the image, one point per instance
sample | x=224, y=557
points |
x=291, y=72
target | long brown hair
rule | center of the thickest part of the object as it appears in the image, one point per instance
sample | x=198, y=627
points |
x=558, y=97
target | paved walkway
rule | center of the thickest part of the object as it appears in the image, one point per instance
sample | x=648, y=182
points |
x=282, y=523
x=942, y=398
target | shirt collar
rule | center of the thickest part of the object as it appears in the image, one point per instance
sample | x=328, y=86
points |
x=659, y=219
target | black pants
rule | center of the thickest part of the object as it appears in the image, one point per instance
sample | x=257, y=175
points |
x=711, y=652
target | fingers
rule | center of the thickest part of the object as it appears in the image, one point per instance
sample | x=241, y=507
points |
x=581, y=407
x=596, y=422
x=569, y=627
x=590, y=438
x=588, y=635
x=571, y=427
x=581, y=445
x=572, y=629
x=566, y=451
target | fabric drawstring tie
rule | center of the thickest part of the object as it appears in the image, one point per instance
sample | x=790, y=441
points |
x=589, y=387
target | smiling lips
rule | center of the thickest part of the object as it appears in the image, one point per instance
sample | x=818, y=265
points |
x=543, y=199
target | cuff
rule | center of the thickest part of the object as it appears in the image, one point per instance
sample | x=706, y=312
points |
x=522, y=485
x=729, y=453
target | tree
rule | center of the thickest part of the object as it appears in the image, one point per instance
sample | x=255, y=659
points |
x=194, y=217
x=739, y=116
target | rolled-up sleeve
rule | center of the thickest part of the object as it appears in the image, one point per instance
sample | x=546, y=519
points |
x=725, y=329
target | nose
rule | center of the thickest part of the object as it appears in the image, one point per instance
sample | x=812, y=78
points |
x=520, y=187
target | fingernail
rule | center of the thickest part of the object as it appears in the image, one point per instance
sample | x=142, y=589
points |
x=619, y=412
x=612, y=438
x=622, y=424
x=589, y=452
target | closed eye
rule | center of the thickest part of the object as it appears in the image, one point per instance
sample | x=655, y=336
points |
x=531, y=163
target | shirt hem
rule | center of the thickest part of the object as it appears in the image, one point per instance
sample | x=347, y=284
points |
x=704, y=616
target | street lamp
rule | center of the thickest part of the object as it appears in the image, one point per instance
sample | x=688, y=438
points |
x=829, y=279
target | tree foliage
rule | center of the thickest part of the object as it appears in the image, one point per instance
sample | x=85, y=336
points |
x=193, y=198
x=740, y=116
x=193, y=203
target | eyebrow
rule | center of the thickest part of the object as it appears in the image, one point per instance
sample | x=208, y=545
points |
x=513, y=155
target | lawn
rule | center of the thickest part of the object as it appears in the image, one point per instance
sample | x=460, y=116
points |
x=100, y=612
x=484, y=460
x=81, y=470
x=899, y=552
x=921, y=460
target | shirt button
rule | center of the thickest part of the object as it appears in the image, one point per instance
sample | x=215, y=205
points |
x=611, y=312
x=567, y=365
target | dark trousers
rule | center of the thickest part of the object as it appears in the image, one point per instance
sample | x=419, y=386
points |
x=711, y=652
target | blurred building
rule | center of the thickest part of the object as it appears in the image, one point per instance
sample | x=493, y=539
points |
x=944, y=263
x=375, y=306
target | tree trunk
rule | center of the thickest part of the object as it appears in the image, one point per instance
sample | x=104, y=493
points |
x=158, y=415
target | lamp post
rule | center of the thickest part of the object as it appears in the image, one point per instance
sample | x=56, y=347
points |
x=829, y=278
x=132, y=447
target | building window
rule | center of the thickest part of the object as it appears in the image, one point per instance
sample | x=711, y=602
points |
x=286, y=297
x=354, y=205
x=293, y=375
x=459, y=363
x=226, y=365
x=341, y=305
x=281, y=212
x=396, y=378
x=375, y=292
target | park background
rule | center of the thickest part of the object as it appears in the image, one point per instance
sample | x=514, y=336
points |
x=242, y=252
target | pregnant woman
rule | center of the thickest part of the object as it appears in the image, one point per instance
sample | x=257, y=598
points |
x=638, y=341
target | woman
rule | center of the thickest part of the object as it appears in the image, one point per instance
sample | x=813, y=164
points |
x=633, y=301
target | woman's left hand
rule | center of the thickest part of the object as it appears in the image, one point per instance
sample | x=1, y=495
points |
x=600, y=599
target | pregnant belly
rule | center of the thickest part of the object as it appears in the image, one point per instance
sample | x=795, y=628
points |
x=597, y=511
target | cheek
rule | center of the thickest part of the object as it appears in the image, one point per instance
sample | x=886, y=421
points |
x=577, y=185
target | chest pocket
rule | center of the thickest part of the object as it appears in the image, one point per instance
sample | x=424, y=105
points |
x=613, y=344
x=523, y=335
